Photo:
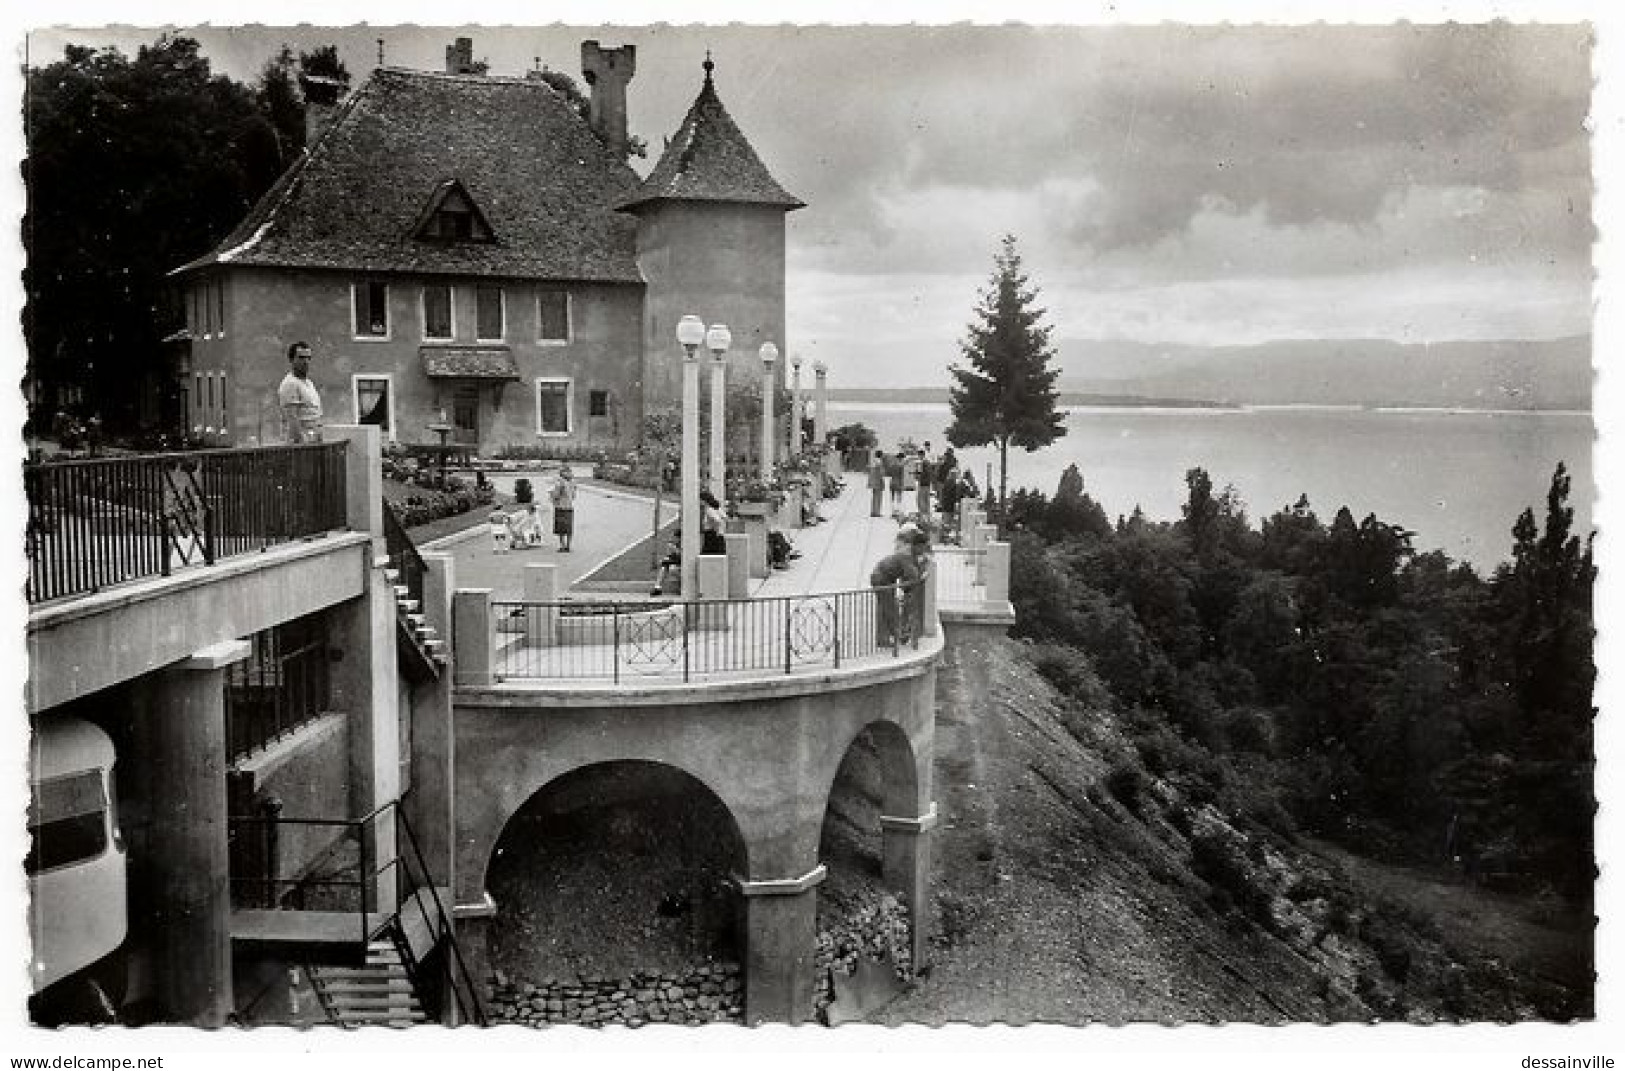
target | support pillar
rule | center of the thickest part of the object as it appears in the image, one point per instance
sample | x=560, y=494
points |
x=689, y=507
x=928, y=593
x=182, y=752
x=433, y=742
x=738, y=564
x=769, y=432
x=473, y=636
x=796, y=411
x=821, y=413
x=781, y=940
x=719, y=424
x=906, y=870
x=542, y=587
x=712, y=571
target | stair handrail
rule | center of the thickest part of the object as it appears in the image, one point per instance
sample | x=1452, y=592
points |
x=444, y=924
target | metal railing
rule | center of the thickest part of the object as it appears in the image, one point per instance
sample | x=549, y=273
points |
x=93, y=524
x=614, y=641
x=358, y=883
x=283, y=684
x=403, y=556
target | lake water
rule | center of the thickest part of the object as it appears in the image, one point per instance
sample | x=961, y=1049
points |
x=1457, y=479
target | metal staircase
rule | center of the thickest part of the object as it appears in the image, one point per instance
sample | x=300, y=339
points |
x=377, y=993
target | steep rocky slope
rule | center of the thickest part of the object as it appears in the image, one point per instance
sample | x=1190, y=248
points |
x=1071, y=891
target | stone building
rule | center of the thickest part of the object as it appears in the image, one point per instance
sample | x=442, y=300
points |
x=472, y=250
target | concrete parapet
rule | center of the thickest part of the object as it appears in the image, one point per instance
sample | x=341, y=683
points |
x=542, y=586
x=738, y=564
x=985, y=534
x=998, y=571
x=473, y=636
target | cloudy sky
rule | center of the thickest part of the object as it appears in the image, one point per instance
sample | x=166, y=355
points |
x=1166, y=183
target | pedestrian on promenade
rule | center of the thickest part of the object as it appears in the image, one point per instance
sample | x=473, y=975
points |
x=922, y=487
x=712, y=525
x=894, y=474
x=877, y=482
x=299, y=400
x=563, y=497
x=894, y=577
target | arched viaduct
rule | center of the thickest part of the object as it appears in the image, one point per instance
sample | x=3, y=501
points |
x=767, y=749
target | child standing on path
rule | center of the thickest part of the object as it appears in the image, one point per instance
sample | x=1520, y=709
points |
x=563, y=498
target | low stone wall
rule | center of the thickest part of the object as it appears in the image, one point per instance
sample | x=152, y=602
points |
x=713, y=993
x=875, y=931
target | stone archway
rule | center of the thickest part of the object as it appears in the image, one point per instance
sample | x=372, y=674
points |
x=874, y=842
x=616, y=901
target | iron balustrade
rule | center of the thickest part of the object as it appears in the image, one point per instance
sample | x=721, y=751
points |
x=92, y=524
x=354, y=887
x=652, y=639
x=403, y=556
x=283, y=684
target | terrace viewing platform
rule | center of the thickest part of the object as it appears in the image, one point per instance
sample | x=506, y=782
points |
x=818, y=619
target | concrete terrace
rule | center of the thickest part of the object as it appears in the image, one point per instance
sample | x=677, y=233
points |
x=816, y=618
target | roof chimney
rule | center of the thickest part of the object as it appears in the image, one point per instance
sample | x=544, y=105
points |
x=322, y=95
x=460, y=57
x=607, y=71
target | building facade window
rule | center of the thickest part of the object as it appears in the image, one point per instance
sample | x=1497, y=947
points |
x=488, y=325
x=370, y=301
x=553, y=406
x=553, y=307
x=374, y=402
x=598, y=403
x=438, y=325
x=220, y=308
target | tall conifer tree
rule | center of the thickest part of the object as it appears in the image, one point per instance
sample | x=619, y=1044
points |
x=1007, y=395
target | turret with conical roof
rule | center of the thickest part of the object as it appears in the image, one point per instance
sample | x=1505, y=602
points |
x=711, y=243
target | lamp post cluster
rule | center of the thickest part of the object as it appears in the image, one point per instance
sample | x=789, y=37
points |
x=691, y=335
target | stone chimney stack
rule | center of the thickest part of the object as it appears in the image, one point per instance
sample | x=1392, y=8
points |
x=460, y=56
x=322, y=95
x=607, y=71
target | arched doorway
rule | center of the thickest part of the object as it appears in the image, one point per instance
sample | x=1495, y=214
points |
x=867, y=903
x=615, y=900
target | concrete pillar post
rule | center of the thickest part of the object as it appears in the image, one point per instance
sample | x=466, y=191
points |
x=363, y=479
x=690, y=505
x=998, y=571
x=542, y=586
x=966, y=508
x=781, y=939
x=928, y=594
x=738, y=564
x=366, y=686
x=433, y=751
x=769, y=436
x=821, y=412
x=181, y=750
x=906, y=870
x=984, y=540
x=755, y=526
x=473, y=636
x=713, y=578
x=719, y=424
x=796, y=411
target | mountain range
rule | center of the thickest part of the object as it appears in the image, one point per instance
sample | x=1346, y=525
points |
x=1493, y=374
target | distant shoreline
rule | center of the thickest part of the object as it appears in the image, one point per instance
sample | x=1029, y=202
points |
x=939, y=396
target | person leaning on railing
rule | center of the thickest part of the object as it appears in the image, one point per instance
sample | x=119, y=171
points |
x=895, y=579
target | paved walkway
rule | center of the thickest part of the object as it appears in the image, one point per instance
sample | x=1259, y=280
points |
x=836, y=555
x=607, y=524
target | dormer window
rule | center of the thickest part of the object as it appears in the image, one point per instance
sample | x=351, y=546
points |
x=452, y=216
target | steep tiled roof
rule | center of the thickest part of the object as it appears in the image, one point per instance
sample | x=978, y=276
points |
x=711, y=160
x=538, y=173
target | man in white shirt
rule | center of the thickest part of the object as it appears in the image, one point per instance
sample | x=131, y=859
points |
x=301, y=404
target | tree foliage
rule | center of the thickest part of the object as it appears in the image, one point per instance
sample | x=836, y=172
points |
x=134, y=167
x=1386, y=699
x=1007, y=395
